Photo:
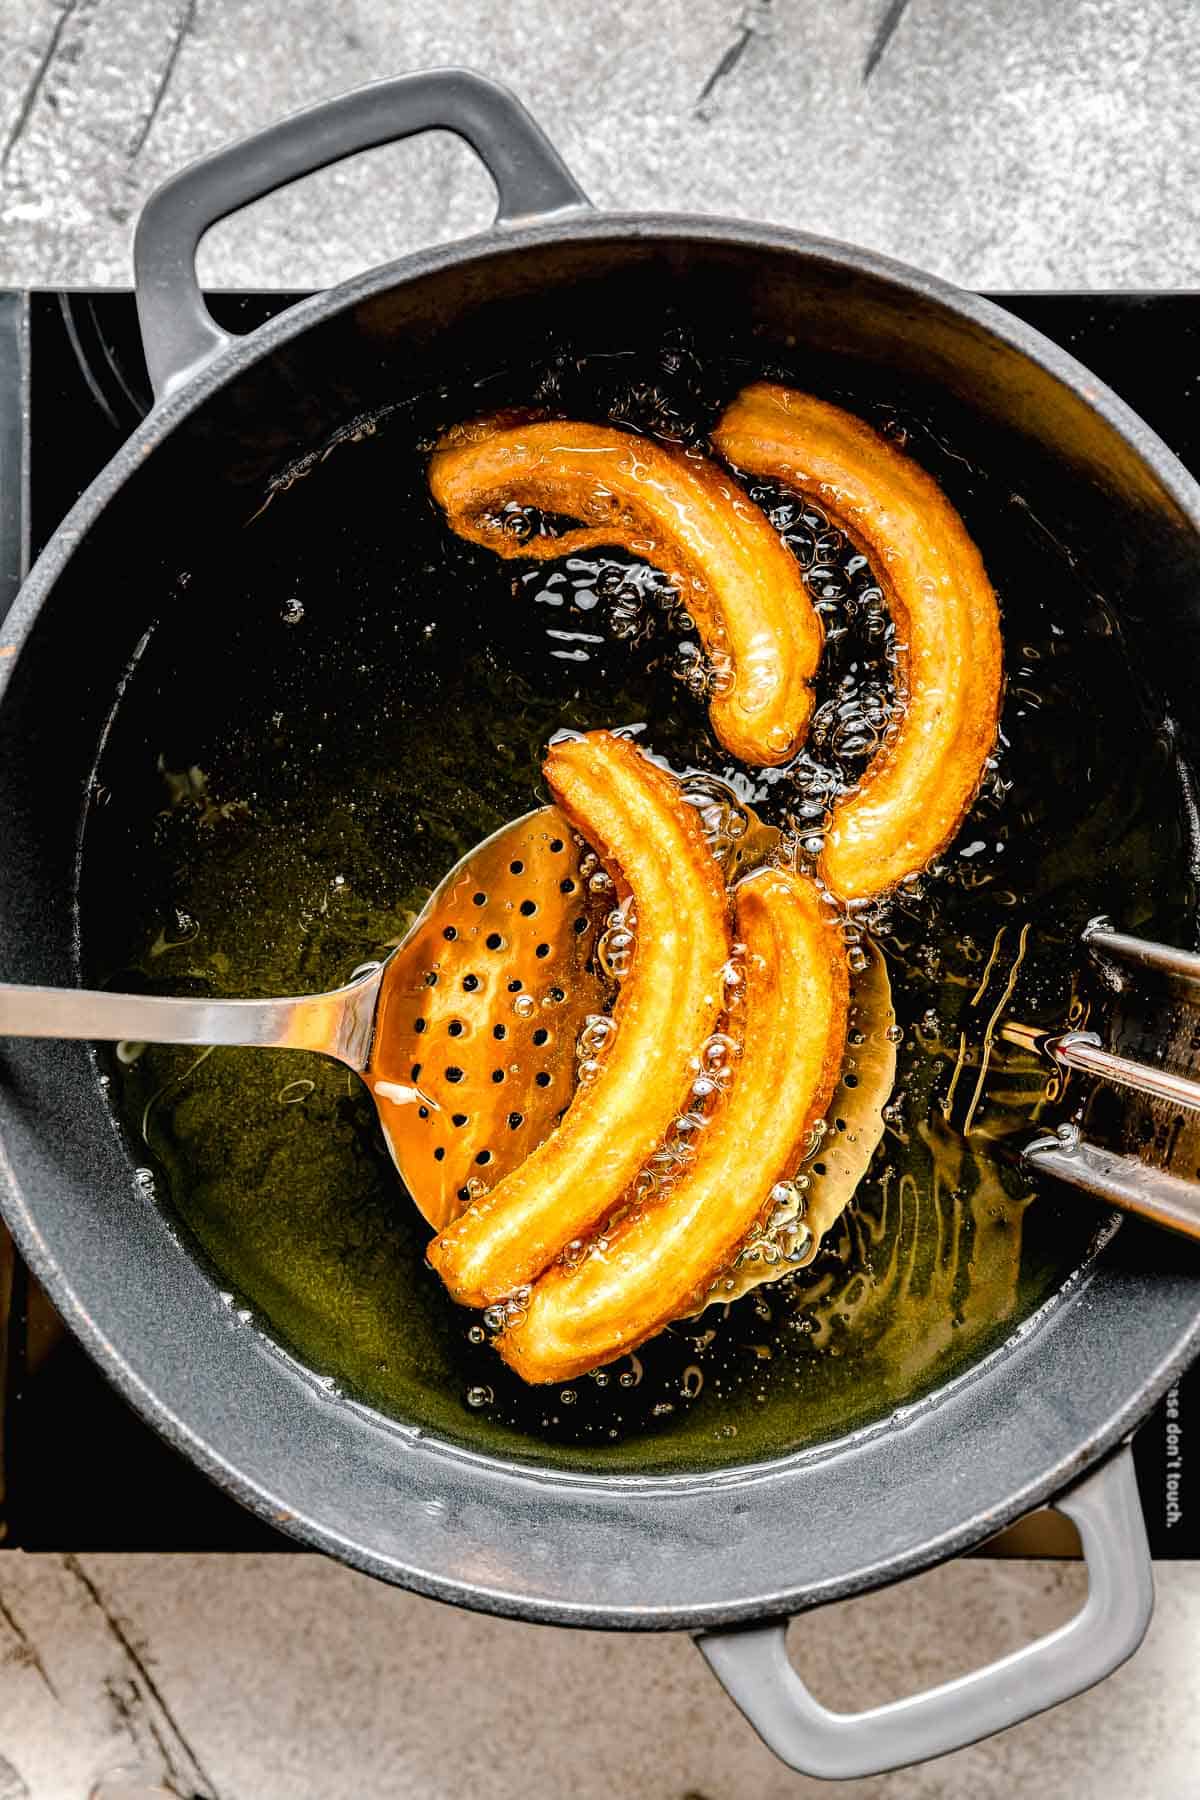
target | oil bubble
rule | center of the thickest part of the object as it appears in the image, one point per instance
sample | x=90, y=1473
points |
x=615, y=949
x=295, y=1093
x=598, y=1032
x=717, y=1053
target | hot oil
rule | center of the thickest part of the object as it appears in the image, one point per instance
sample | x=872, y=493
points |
x=367, y=697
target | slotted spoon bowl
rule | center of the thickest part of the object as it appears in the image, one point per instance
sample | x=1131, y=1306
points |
x=464, y=1035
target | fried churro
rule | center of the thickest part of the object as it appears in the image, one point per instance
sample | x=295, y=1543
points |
x=658, y=1262
x=677, y=510
x=921, y=782
x=650, y=841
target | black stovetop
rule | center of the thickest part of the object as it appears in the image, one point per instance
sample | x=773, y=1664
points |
x=80, y=1470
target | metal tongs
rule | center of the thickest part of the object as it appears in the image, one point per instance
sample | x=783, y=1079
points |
x=1133, y=1183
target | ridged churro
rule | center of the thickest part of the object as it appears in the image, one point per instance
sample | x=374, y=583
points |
x=920, y=784
x=677, y=510
x=658, y=1262
x=650, y=841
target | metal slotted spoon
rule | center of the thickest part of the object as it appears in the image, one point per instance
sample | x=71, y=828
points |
x=465, y=1034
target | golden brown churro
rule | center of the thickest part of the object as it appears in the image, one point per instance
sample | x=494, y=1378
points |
x=658, y=1263
x=679, y=511
x=649, y=837
x=917, y=790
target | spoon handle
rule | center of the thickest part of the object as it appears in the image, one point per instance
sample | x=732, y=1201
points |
x=337, y=1023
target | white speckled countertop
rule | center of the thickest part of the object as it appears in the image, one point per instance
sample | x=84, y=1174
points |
x=1050, y=143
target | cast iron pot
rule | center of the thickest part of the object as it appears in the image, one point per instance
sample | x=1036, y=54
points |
x=728, y=1557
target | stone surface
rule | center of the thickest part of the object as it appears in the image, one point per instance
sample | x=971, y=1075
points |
x=288, y=1678
x=1047, y=144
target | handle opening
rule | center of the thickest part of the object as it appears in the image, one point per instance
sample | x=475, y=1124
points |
x=753, y=1666
x=180, y=336
x=360, y=212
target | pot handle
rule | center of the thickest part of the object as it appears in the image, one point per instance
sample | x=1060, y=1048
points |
x=178, y=332
x=752, y=1664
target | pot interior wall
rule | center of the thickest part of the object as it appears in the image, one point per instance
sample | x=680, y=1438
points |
x=334, y=700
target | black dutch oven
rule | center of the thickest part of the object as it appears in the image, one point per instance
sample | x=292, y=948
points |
x=728, y=1555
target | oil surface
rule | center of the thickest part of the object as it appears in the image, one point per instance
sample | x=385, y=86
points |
x=367, y=697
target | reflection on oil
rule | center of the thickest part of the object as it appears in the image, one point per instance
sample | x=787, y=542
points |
x=922, y=1260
